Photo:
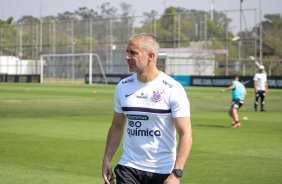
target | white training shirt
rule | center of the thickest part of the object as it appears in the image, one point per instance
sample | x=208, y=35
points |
x=261, y=79
x=150, y=135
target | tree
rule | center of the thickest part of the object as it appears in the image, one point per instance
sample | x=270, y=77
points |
x=107, y=10
x=28, y=19
x=126, y=9
x=7, y=33
x=125, y=25
x=66, y=16
x=7, y=22
x=272, y=37
x=48, y=18
x=148, y=17
x=84, y=13
x=272, y=31
x=172, y=28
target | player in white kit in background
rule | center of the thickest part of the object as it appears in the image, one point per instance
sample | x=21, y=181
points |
x=151, y=108
x=260, y=87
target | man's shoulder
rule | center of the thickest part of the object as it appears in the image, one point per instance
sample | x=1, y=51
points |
x=256, y=74
x=237, y=83
x=128, y=80
x=169, y=81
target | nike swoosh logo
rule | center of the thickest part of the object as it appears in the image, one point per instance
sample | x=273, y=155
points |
x=127, y=95
x=246, y=82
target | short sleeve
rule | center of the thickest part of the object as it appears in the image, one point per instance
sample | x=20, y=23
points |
x=117, y=98
x=180, y=105
x=255, y=77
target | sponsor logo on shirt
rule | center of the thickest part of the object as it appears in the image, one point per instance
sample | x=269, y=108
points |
x=141, y=96
x=130, y=80
x=137, y=117
x=166, y=83
x=135, y=129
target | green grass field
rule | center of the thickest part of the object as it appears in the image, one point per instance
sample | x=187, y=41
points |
x=56, y=133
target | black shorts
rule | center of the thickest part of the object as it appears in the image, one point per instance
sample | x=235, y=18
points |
x=128, y=175
x=260, y=94
x=237, y=103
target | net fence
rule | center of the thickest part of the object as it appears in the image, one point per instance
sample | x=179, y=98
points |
x=107, y=37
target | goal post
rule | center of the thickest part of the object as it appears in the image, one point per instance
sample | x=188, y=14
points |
x=70, y=68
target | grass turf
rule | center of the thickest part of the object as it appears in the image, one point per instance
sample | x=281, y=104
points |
x=56, y=133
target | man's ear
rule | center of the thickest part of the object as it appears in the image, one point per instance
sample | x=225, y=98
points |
x=152, y=56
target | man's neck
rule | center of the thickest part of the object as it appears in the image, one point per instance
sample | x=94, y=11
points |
x=148, y=76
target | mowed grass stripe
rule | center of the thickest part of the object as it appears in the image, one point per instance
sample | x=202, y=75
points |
x=54, y=107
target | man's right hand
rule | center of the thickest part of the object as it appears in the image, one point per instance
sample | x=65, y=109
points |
x=107, y=173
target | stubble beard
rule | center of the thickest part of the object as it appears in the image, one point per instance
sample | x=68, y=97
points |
x=134, y=68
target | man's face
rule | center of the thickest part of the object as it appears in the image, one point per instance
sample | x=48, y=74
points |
x=136, y=57
x=260, y=70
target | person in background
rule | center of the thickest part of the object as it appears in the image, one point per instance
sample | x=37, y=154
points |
x=261, y=88
x=238, y=95
x=152, y=108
